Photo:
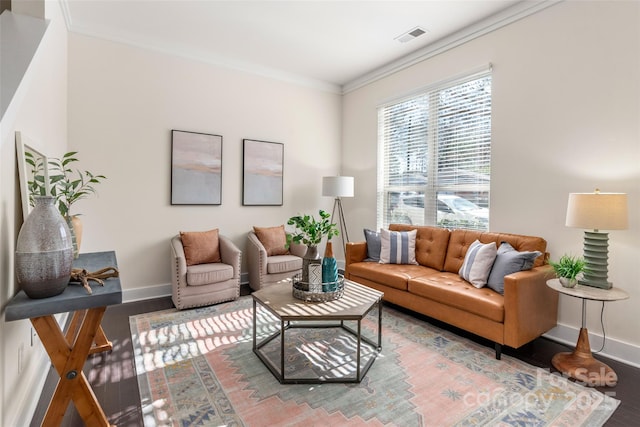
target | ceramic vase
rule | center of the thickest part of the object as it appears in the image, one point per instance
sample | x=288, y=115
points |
x=568, y=283
x=44, y=251
x=329, y=269
x=311, y=257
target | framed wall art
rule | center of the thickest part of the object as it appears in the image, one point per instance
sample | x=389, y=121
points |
x=31, y=162
x=196, y=168
x=262, y=173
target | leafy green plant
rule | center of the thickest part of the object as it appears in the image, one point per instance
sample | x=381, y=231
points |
x=568, y=266
x=309, y=230
x=67, y=185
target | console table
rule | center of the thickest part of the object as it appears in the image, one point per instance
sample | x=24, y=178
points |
x=68, y=352
x=580, y=363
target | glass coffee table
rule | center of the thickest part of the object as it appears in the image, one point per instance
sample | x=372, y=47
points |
x=278, y=354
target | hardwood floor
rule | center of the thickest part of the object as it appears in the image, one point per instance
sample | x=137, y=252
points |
x=112, y=374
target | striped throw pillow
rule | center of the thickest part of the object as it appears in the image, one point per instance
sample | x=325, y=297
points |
x=478, y=262
x=398, y=247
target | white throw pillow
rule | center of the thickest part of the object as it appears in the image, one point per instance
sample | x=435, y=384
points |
x=398, y=247
x=478, y=262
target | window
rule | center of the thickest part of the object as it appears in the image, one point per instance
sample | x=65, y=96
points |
x=434, y=162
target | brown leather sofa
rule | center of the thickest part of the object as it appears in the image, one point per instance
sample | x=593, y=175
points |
x=434, y=288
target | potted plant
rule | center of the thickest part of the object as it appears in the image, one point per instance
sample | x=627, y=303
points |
x=66, y=185
x=310, y=232
x=567, y=269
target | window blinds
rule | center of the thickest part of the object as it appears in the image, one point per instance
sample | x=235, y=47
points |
x=435, y=156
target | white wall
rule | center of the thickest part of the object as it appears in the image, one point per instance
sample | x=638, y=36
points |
x=566, y=118
x=123, y=103
x=39, y=111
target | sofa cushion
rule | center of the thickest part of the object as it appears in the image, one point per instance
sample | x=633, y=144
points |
x=373, y=245
x=206, y=274
x=478, y=262
x=451, y=289
x=509, y=261
x=431, y=244
x=392, y=275
x=398, y=247
x=201, y=247
x=274, y=239
x=283, y=264
x=460, y=241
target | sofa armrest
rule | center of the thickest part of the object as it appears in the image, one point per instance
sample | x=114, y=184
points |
x=355, y=252
x=531, y=307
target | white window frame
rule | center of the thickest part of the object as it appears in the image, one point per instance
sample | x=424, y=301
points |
x=431, y=188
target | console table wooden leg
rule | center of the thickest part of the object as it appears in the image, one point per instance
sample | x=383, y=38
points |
x=68, y=358
x=101, y=341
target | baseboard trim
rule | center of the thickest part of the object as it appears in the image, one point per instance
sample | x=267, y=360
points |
x=148, y=292
x=621, y=351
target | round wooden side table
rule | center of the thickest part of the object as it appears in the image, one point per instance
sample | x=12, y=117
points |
x=580, y=363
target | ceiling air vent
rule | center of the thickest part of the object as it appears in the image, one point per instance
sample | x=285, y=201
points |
x=410, y=35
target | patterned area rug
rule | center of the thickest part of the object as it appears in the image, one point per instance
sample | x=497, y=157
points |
x=197, y=368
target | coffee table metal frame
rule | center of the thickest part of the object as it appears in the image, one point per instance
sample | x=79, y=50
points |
x=278, y=300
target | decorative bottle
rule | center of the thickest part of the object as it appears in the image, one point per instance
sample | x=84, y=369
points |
x=329, y=269
x=44, y=252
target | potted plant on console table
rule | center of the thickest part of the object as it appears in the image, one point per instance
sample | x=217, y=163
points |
x=310, y=232
x=66, y=185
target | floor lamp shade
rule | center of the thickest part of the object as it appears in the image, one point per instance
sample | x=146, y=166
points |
x=337, y=186
x=597, y=211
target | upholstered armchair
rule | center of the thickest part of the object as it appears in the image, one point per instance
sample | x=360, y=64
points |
x=205, y=269
x=268, y=260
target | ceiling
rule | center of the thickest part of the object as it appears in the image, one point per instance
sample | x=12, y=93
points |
x=330, y=44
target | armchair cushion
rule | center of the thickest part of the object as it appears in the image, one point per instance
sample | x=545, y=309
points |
x=274, y=239
x=201, y=247
x=283, y=264
x=206, y=274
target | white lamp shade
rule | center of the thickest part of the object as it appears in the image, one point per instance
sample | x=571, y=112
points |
x=597, y=211
x=337, y=186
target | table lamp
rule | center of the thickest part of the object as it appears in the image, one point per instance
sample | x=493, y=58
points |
x=338, y=186
x=596, y=211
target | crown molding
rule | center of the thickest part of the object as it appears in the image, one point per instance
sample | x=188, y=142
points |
x=180, y=51
x=516, y=12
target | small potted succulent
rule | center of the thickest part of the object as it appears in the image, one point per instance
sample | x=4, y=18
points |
x=567, y=269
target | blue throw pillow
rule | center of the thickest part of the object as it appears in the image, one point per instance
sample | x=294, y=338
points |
x=398, y=247
x=508, y=261
x=373, y=245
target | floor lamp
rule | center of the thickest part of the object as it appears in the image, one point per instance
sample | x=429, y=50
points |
x=596, y=211
x=338, y=186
